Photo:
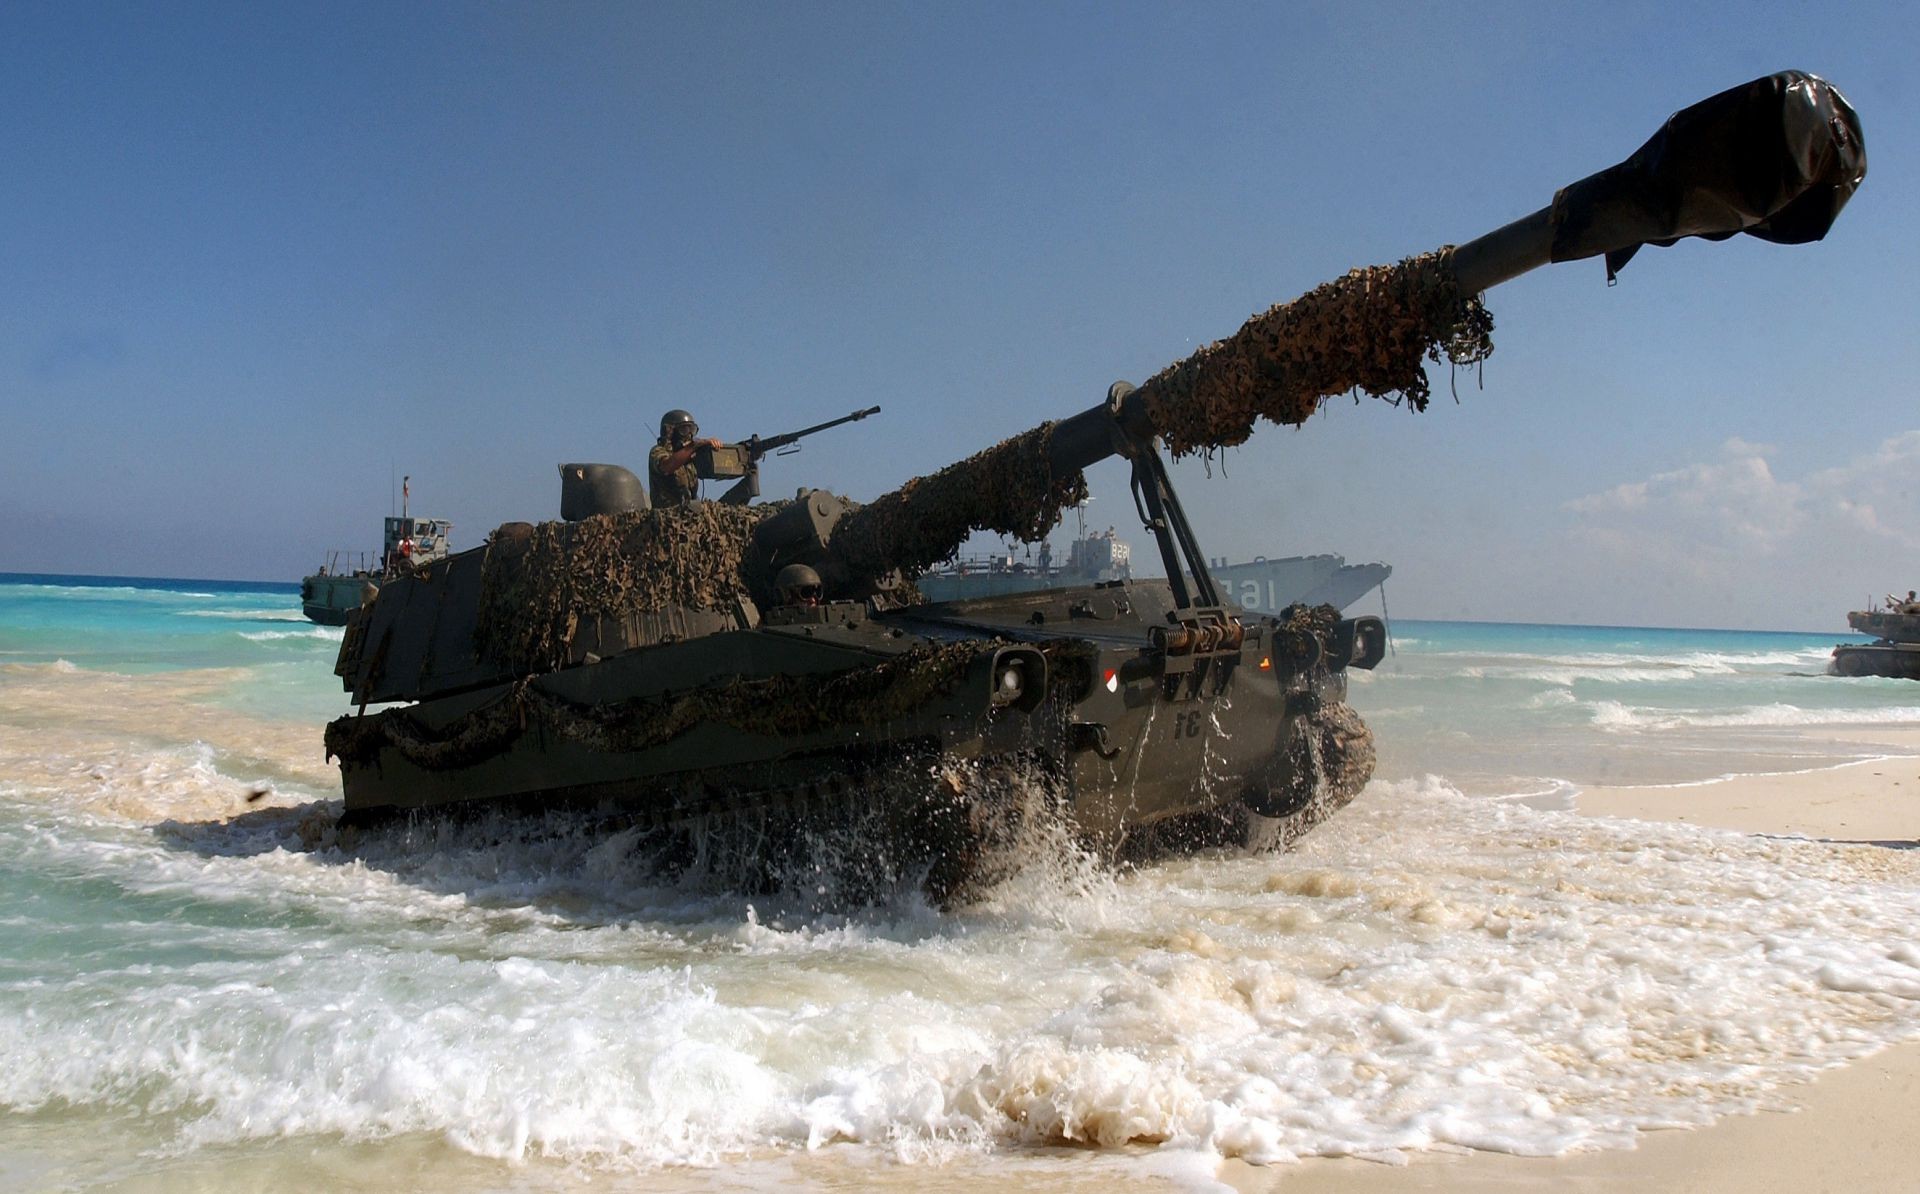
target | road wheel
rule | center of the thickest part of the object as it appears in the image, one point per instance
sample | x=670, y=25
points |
x=1328, y=765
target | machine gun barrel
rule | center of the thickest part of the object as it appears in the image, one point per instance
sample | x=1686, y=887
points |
x=742, y=460
x=759, y=446
x=1776, y=158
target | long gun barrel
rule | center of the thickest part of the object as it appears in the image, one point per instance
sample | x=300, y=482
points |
x=759, y=447
x=1776, y=158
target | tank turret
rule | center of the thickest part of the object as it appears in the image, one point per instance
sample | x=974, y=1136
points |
x=654, y=662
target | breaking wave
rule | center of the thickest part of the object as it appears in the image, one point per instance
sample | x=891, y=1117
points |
x=1607, y=668
x=1616, y=715
x=246, y=615
x=330, y=633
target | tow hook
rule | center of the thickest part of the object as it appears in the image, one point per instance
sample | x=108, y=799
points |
x=1091, y=735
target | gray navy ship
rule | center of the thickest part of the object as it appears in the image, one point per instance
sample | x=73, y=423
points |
x=1268, y=586
x=1260, y=585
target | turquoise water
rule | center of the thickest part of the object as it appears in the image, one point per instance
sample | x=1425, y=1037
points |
x=203, y=982
x=1499, y=708
x=1486, y=705
x=281, y=663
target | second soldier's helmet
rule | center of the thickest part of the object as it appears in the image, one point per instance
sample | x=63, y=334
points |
x=798, y=585
x=677, y=418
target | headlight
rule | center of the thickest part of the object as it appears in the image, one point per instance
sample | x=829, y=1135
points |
x=1019, y=678
x=1011, y=684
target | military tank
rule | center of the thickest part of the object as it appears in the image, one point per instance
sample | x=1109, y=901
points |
x=1895, y=649
x=726, y=664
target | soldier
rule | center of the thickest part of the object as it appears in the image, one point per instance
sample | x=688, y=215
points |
x=670, y=470
x=798, y=585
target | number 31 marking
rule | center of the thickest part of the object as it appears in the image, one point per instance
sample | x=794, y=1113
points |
x=1190, y=724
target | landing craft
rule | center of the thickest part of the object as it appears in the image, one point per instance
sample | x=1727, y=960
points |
x=344, y=582
x=737, y=673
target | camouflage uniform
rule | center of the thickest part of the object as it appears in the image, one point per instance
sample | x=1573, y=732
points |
x=670, y=489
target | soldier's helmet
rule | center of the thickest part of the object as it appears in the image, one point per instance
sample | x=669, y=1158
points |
x=798, y=585
x=675, y=419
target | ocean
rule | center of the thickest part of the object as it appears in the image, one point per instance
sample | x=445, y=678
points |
x=204, y=985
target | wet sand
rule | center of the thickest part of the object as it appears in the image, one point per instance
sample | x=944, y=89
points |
x=1854, y=1128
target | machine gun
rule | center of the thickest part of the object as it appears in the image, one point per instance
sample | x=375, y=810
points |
x=742, y=460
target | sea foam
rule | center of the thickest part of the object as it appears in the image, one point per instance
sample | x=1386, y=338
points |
x=1428, y=970
x=1616, y=715
x=196, y=948
x=328, y=633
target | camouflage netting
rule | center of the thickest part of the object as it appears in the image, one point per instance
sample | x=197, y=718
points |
x=1009, y=489
x=539, y=584
x=774, y=706
x=1370, y=330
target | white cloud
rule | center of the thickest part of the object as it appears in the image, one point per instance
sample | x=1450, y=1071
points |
x=1734, y=528
x=1733, y=504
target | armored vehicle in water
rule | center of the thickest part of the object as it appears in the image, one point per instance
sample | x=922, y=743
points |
x=1895, y=649
x=724, y=664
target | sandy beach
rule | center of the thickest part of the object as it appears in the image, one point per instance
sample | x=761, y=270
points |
x=1852, y=1129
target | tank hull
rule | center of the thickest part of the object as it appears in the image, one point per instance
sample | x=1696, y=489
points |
x=1900, y=661
x=902, y=722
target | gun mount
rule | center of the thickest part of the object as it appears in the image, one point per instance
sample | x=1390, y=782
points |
x=647, y=661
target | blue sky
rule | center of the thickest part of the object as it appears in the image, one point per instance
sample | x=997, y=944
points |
x=259, y=258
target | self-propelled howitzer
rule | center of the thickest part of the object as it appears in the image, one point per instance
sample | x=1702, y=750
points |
x=721, y=665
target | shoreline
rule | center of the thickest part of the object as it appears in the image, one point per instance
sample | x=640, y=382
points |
x=1849, y=1127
